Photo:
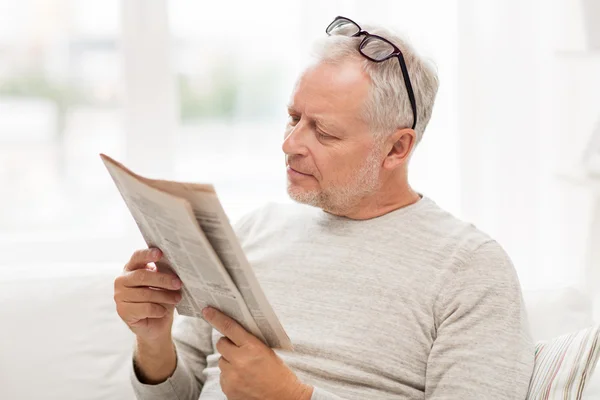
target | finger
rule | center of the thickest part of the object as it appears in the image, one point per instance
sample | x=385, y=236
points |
x=144, y=278
x=141, y=258
x=227, y=348
x=148, y=295
x=227, y=326
x=224, y=365
x=138, y=311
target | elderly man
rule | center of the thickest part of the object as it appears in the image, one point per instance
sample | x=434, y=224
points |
x=383, y=294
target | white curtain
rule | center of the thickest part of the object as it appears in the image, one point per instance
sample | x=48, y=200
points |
x=529, y=95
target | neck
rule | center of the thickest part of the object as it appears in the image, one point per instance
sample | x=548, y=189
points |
x=388, y=198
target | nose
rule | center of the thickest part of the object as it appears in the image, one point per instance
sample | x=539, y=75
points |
x=294, y=142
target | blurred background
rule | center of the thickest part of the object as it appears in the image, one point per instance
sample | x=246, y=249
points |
x=197, y=91
x=182, y=90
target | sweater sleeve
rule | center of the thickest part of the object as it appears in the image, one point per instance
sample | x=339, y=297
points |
x=192, y=338
x=483, y=349
x=319, y=394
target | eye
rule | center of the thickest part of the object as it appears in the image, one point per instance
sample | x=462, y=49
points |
x=322, y=135
x=293, y=119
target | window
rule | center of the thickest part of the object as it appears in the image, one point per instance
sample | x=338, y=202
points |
x=67, y=93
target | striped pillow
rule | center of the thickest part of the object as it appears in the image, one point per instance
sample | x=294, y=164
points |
x=564, y=364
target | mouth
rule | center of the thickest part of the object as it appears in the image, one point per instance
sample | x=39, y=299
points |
x=292, y=172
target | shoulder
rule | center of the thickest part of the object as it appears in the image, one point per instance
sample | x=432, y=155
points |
x=455, y=239
x=486, y=275
x=489, y=258
x=468, y=256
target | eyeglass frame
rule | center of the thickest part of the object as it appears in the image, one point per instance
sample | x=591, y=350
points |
x=396, y=53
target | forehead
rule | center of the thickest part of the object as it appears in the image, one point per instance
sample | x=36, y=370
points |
x=333, y=90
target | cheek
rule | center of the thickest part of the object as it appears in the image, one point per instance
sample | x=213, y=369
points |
x=329, y=166
x=342, y=168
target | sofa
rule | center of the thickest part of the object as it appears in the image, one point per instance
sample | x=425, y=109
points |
x=61, y=339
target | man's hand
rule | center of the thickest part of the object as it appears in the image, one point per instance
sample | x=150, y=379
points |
x=146, y=298
x=249, y=369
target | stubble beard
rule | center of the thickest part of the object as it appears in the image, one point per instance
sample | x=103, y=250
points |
x=338, y=199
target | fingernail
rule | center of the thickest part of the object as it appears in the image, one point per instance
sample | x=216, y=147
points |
x=155, y=253
x=207, y=312
x=176, y=283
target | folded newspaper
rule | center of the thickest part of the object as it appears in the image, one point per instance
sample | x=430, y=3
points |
x=187, y=222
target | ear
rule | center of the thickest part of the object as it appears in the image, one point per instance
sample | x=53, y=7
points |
x=400, y=145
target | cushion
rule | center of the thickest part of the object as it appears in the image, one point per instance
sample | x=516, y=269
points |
x=564, y=365
x=592, y=387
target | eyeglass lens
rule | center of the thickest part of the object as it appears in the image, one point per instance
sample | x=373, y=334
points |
x=344, y=27
x=376, y=48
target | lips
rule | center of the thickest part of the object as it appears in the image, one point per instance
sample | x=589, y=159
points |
x=297, y=170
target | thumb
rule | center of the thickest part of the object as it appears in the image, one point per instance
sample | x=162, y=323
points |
x=141, y=258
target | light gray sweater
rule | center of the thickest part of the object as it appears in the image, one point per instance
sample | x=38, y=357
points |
x=414, y=304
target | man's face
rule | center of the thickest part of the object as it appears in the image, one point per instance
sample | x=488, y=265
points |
x=331, y=155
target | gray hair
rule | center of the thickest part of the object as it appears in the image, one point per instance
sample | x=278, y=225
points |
x=388, y=107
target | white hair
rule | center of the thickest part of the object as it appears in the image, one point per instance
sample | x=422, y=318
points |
x=388, y=106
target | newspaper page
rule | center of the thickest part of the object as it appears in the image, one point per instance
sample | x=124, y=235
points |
x=168, y=222
x=211, y=217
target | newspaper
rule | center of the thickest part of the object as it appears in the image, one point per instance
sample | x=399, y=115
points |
x=187, y=222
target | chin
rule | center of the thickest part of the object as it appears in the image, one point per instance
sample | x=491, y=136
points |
x=300, y=195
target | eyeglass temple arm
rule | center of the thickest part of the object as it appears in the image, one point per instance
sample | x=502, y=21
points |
x=409, y=90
